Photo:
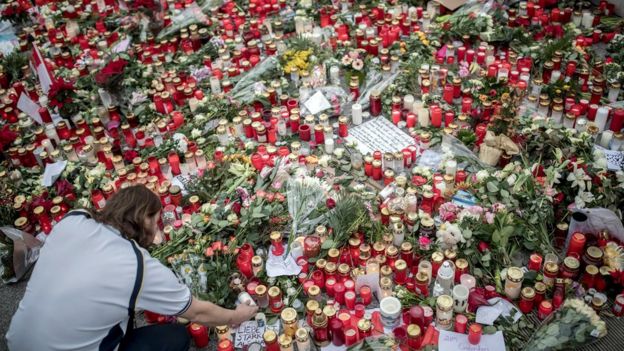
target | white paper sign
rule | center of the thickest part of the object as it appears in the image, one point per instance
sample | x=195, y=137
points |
x=52, y=172
x=29, y=107
x=317, y=103
x=487, y=315
x=248, y=333
x=379, y=134
x=451, y=341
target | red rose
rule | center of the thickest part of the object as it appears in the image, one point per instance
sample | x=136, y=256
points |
x=330, y=203
x=236, y=208
x=483, y=246
x=558, y=198
x=130, y=155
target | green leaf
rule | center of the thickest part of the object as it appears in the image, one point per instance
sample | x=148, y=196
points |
x=491, y=187
x=327, y=244
x=504, y=193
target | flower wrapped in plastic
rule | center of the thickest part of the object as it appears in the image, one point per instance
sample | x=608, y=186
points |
x=249, y=85
x=573, y=325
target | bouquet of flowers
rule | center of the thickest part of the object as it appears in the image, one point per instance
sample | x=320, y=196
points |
x=62, y=95
x=573, y=325
x=111, y=73
x=352, y=62
x=16, y=11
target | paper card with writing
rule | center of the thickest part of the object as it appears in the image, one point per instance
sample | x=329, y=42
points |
x=29, y=107
x=248, y=333
x=317, y=103
x=379, y=134
x=451, y=341
x=277, y=266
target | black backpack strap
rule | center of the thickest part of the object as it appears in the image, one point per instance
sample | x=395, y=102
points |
x=116, y=334
x=138, y=283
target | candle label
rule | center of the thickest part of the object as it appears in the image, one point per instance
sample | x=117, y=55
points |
x=379, y=134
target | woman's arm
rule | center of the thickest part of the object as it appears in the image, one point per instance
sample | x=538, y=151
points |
x=209, y=314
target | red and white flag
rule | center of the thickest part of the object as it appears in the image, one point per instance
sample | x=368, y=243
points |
x=45, y=78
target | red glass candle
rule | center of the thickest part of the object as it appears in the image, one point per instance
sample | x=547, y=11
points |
x=535, y=262
x=243, y=263
x=375, y=104
x=417, y=316
x=349, y=298
x=377, y=170
x=304, y=132
x=225, y=345
x=339, y=293
x=436, y=116
x=199, y=334
x=577, y=244
x=330, y=283
x=338, y=337
x=474, y=333
x=527, y=300
x=343, y=130
x=461, y=322
x=617, y=121
x=318, y=278
x=447, y=95
x=396, y=116
x=174, y=163
x=366, y=295
x=349, y=285
x=351, y=337
x=544, y=310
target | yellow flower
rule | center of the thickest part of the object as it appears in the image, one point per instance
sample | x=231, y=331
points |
x=426, y=42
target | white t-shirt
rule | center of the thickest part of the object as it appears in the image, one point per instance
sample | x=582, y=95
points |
x=81, y=285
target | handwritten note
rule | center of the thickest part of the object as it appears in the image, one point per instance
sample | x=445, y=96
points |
x=450, y=341
x=379, y=134
x=248, y=333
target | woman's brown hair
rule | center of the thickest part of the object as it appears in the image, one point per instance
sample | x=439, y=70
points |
x=127, y=211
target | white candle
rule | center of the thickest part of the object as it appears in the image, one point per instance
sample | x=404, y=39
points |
x=555, y=76
x=601, y=117
x=614, y=91
x=581, y=124
x=460, y=298
x=423, y=117
x=408, y=102
x=215, y=85
x=576, y=19
x=334, y=75
x=468, y=281
x=329, y=146
x=356, y=114
x=588, y=19
x=451, y=167
x=569, y=120
x=605, y=139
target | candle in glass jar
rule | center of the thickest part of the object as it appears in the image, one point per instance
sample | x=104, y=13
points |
x=601, y=117
x=513, y=283
x=199, y=334
x=461, y=323
x=474, y=333
x=436, y=116
x=366, y=295
x=576, y=245
x=544, y=310
x=356, y=114
x=535, y=262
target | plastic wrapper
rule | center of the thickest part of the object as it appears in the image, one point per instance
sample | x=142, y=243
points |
x=250, y=84
x=595, y=220
x=22, y=254
x=191, y=15
x=453, y=145
x=375, y=81
x=338, y=99
x=384, y=342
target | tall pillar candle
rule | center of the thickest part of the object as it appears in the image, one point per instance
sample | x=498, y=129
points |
x=601, y=117
x=356, y=114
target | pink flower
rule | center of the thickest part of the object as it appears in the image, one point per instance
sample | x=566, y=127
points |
x=448, y=212
x=489, y=217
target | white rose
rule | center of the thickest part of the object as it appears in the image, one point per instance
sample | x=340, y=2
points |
x=195, y=133
x=511, y=180
x=482, y=175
